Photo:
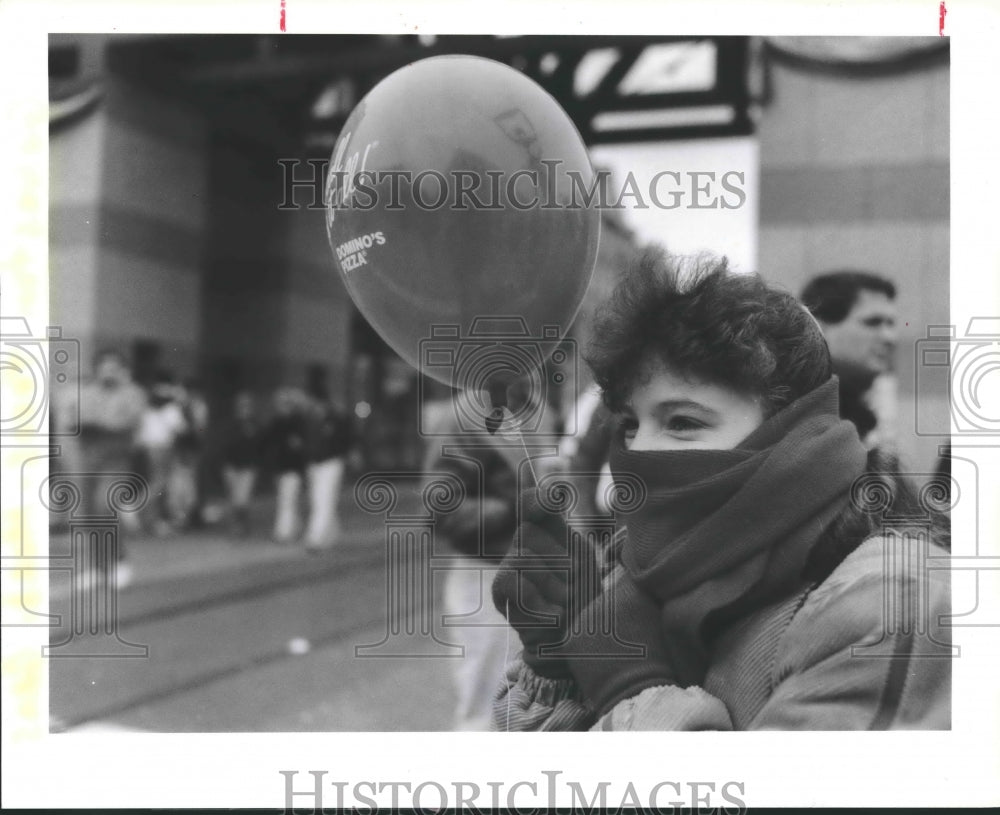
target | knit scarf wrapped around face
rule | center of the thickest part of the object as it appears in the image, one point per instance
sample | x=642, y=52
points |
x=724, y=532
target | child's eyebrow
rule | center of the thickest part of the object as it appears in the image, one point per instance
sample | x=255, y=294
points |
x=684, y=404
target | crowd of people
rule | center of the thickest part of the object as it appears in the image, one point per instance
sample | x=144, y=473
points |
x=167, y=450
x=165, y=433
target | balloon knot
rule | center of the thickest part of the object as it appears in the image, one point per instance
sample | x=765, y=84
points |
x=494, y=420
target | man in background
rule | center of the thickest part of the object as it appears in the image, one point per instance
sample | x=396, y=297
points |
x=857, y=313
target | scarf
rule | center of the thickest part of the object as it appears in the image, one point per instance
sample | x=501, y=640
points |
x=725, y=532
x=854, y=407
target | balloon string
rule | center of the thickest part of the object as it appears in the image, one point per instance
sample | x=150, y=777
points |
x=506, y=660
x=527, y=458
x=494, y=424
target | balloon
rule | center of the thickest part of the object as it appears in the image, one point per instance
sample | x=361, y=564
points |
x=458, y=215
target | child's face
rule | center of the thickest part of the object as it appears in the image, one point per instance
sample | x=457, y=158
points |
x=670, y=412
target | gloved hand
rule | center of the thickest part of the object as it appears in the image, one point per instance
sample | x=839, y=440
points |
x=603, y=679
x=540, y=577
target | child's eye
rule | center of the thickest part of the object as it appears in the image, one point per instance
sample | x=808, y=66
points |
x=628, y=426
x=684, y=424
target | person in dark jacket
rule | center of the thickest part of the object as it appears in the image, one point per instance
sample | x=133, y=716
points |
x=329, y=442
x=288, y=455
x=756, y=584
x=187, y=481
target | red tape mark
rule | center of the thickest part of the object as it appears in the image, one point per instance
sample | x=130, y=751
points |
x=941, y=12
x=281, y=22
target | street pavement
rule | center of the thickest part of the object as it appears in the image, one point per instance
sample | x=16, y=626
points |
x=243, y=634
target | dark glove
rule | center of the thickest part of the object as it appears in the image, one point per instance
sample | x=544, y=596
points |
x=541, y=584
x=611, y=667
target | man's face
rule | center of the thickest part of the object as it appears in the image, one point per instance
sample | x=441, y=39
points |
x=670, y=412
x=864, y=343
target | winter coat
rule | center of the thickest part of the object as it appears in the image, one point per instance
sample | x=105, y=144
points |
x=866, y=649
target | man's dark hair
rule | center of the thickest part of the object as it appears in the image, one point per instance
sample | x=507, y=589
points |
x=831, y=296
x=701, y=320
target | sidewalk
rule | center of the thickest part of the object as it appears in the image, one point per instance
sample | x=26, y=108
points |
x=246, y=635
x=204, y=564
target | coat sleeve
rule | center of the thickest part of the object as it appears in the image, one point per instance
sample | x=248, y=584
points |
x=867, y=651
x=526, y=701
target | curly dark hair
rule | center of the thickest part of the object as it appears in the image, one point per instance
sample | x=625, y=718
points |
x=695, y=316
